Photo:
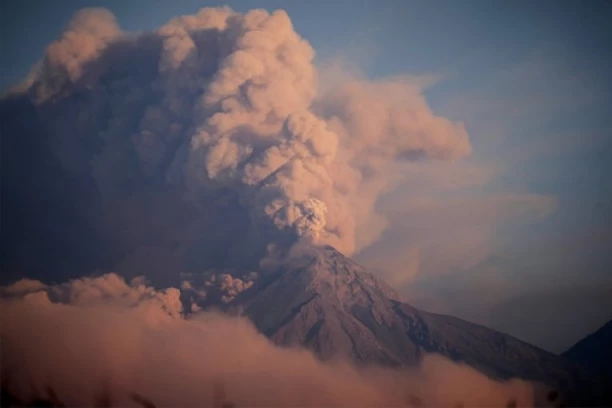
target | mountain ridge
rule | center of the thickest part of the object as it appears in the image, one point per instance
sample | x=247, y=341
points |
x=593, y=353
x=591, y=347
x=333, y=306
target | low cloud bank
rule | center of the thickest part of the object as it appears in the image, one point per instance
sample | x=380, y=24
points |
x=95, y=335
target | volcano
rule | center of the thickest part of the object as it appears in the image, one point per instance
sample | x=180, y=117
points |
x=329, y=304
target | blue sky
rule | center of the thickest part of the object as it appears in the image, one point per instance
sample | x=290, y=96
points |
x=406, y=35
x=530, y=82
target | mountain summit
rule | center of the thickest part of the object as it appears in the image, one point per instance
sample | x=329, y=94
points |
x=333, y=306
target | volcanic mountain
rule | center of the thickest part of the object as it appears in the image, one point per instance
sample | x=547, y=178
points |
x=334, y=307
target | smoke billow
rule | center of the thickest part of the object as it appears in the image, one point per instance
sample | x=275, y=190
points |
x=157, y=135
x=94, y=335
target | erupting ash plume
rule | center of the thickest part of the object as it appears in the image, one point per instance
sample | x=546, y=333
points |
x=222, y=104
x=94, y=335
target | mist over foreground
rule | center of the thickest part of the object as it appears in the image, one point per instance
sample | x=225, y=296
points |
x=105, y=332
x=221, y=177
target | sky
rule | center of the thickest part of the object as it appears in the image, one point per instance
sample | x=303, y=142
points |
x=516, y=235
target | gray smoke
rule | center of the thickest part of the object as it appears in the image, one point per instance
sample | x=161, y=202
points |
x=211, y=111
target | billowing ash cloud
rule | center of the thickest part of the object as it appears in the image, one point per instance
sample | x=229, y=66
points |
x=215, y=105
x=214, y=287
x=104, y=335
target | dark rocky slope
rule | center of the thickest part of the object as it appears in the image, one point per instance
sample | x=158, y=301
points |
x=594, y=353
x=331, y=305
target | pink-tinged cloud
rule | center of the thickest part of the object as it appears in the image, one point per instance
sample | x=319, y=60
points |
x=221, y=100
x=437, y=235
x=88, y=334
